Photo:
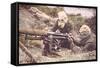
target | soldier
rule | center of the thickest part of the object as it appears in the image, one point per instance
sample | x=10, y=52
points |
x=62, y=26
x=86, y=39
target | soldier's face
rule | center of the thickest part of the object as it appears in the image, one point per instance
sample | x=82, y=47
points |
x=62, y=20
x=84, y=30
x=61, y=23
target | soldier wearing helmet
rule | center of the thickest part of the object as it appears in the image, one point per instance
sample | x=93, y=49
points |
x=87, y=40
x=63, y=26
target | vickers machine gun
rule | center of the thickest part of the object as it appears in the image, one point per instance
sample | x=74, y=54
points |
x=39, y=35
x=51, y=40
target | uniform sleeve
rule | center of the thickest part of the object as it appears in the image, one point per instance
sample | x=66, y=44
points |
x=77, y=43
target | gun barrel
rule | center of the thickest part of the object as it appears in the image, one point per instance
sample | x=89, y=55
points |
x=57, y=34
x=37, y=34
x=58, y=37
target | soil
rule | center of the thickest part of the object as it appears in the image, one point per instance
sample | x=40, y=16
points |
x=63, y=55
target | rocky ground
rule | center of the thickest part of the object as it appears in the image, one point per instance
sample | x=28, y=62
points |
x=64, y=55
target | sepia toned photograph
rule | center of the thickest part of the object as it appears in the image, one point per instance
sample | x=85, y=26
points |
x=56, y=33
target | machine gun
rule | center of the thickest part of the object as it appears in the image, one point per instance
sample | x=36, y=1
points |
x=40, y=35
x=51, y=40
x=54, y=35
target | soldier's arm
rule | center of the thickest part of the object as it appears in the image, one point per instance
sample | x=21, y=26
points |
x=76, y=41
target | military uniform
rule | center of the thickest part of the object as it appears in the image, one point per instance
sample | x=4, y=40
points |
x=87, y=40
x=66, y=29
x=62, y=25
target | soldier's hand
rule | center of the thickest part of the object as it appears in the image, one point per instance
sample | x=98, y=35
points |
x=70, y=39
x=71, y=35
